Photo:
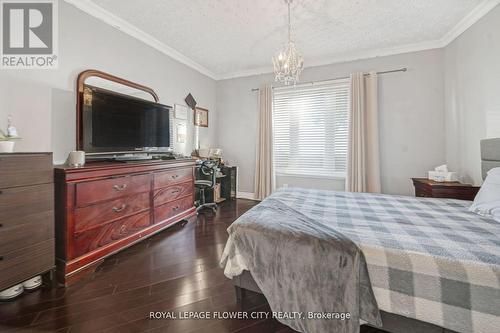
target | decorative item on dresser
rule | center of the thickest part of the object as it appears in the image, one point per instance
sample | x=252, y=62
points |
x=453, y=190
x=26, y=217
x=104, y=207
x=8, y=138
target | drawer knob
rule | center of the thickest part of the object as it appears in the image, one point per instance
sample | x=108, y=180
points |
x=175, y=208
x=175, y=176
x=175, y=191
x=120, y=187
x=119, y=209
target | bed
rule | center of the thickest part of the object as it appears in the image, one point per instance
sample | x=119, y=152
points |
x=432, y=264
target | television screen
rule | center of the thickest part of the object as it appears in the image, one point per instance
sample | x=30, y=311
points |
x=114, y=122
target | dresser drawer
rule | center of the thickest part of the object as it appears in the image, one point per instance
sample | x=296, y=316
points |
x=100, y=213
x=26, y=234
x=169, y=210
x=423, y=193
x=28, y=205
x=90, y=240
x=167, y=178
x=173, y=192
x=25, y=169
x=101, y=190
x=24, y=263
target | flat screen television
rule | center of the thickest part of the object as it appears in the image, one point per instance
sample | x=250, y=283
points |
x=114, y=123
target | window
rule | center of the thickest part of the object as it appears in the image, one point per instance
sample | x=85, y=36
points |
x=311, y=125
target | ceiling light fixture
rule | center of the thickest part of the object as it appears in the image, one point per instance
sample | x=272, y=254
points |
x=288, y=63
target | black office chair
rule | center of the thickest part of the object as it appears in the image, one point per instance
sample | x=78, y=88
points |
x=207, y=168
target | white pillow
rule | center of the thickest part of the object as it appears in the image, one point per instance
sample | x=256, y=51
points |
x=487, y=201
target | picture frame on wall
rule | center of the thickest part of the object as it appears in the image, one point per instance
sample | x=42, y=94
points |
x=201, y=117
x=181, y=133
x=181, y=111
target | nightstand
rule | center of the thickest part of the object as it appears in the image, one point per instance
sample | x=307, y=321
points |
x=453, y=190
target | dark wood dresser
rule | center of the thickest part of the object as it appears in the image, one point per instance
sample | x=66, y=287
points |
x=453, y=190
x=26, y=216
x=103, y=207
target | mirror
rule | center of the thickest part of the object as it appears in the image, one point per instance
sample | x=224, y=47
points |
x=109, y=82
x=100, y=82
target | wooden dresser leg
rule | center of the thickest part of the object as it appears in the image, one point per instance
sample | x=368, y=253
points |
x=240, y=293
x=49, y=279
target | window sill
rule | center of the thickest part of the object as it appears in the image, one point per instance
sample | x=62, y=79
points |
x=337, y=176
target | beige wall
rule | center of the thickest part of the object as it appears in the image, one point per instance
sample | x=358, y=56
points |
x=412, y=139
x=472, y=94
x=42, y=102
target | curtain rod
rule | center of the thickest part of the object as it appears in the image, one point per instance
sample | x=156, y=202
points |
x=346, y=77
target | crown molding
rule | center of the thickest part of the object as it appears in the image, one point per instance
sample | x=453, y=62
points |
x=109, y=18
x=345, y=57
x=475, y=15
x=247, y=72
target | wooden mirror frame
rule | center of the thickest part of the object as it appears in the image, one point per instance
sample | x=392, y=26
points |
x=80, y=83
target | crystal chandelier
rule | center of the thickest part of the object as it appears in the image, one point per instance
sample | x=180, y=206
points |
x=288, y=63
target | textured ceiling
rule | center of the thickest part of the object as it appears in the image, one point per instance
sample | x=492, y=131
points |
x=236, y=36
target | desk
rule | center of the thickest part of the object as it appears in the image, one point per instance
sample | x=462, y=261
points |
x=229, y=183
x=225, y=187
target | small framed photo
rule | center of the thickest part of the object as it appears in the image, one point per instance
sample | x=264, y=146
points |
x=180, y=111
x=201, y=117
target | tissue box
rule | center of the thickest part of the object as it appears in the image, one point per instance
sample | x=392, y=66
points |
x=440, y=176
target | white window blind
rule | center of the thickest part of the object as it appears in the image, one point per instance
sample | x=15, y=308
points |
x=311, y=125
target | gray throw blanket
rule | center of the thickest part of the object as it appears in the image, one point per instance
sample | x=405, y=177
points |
x=302, y=266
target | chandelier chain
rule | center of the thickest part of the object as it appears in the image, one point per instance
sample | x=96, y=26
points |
x=289, y=23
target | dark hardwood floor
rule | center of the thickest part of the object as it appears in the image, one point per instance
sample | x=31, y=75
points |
x=175, y=270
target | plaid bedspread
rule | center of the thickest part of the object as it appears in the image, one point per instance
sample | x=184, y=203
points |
x=428, y=259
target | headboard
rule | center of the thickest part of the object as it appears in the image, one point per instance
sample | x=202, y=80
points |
x=490, y=155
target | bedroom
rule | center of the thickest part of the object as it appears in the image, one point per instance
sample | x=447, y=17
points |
x=149, y=239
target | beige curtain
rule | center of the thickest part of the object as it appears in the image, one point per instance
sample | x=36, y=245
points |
x=363, y=162
x=264, y=171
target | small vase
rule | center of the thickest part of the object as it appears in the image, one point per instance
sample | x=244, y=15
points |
x=7, y=146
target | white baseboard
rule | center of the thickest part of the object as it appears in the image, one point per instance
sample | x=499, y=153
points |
x=245, y=195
